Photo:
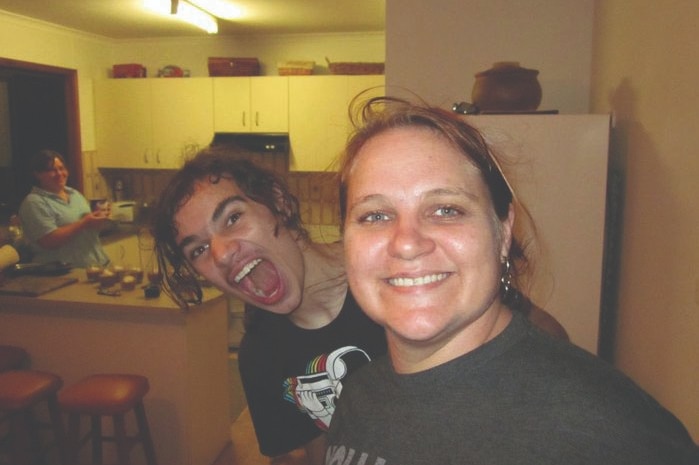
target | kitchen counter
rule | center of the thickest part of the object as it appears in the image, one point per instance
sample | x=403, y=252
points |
x=74, y=332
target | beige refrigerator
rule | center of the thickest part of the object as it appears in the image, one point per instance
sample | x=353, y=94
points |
x=558, y=165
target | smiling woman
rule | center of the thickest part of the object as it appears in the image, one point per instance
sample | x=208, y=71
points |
x=432, y=256
x=58, y=220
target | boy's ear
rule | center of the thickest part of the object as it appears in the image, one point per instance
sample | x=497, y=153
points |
x=281, y=202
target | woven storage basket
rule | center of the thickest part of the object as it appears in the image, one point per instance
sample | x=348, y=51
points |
x=231, y=66
x=296, y=68
x=130, y=70
x=355, y=68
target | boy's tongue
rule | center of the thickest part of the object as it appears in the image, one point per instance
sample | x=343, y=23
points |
x=262, y=281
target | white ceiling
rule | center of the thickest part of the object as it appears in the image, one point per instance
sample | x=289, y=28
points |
x=128, y=19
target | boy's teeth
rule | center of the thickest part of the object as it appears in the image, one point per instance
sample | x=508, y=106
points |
x=247, y=269
x=422, y=280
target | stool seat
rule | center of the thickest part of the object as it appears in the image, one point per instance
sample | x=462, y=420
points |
x=12, y=358
x=112, y=395
x=20, y=392
x=20, y=389
x=104, y=394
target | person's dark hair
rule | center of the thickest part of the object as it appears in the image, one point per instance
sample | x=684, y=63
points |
x=380, y=114
x=43, y=160
x=213, y=164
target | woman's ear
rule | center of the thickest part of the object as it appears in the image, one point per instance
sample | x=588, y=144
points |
x=507, y=226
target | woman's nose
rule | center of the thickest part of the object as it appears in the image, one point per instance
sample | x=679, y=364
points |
x=410, y=240
x=222, y=249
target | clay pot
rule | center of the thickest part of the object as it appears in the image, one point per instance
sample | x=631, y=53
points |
x=507, y=87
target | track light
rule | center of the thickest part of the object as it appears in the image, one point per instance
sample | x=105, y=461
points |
x=219, y=8
x=185, y=11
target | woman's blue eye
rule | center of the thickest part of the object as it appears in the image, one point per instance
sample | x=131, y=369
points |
x=373, y=217
x=447, y=211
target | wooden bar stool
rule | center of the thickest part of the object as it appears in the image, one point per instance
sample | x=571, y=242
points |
x=20, y=392
x=13, y=358
x=107, y=395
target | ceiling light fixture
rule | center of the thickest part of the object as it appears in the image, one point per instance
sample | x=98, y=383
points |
x=184, y=11
x=219, y=8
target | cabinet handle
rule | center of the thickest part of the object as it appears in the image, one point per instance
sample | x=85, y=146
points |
x=157, y=157
x=257, y=119
x=244, y=119
x=145, y=156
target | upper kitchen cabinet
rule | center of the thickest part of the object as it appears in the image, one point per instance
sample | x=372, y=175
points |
x=251, y=104
x=123, y=122
x=319, y=116
x=152, y=123
x=183, y=119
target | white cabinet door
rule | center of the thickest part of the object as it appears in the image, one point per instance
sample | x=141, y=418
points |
x=183, y=120
x=269, y=104
x=231, y=104
x=123, y=123
x=152, y=123
x=251, y=104
x=319, y=122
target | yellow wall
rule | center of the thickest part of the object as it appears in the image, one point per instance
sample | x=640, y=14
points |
x=645, y=63
x=434, y=48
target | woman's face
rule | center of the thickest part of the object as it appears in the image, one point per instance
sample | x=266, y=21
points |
x=422, y=242
x=230, y=240
x=54, y=177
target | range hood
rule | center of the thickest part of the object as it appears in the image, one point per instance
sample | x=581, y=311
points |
x=253, y=142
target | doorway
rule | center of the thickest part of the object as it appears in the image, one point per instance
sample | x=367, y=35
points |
x=41, y=111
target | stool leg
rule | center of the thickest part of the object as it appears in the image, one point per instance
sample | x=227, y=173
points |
x=20, y=426
x=144, y=433
x=58, y=431
x=96, y=436
x=73, y=437
x=121, y=440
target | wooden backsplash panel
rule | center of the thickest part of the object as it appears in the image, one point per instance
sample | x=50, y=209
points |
x=318, y=193
x=318, y=196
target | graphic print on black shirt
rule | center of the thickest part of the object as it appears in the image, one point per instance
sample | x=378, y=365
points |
x=315, y=391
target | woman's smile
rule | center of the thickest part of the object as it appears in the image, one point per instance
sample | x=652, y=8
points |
x=418, y=281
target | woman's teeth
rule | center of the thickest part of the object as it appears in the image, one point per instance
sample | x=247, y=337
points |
x=246, y=270
x=421, y=281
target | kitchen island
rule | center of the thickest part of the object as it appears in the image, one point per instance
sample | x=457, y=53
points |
x=74, y=332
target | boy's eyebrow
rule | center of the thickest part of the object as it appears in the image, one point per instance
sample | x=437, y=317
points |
x=218, y=211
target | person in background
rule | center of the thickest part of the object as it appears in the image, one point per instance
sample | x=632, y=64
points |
x=428, y=221
x=56, y=218
x=239, y=227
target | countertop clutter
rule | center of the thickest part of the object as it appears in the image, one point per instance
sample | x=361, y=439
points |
x=92, y=290
x=33, y=286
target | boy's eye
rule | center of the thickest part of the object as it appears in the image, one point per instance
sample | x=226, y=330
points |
x=233, y=218
x=195, y=252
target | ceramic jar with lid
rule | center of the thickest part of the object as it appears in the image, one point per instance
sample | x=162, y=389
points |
x=507, y=87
